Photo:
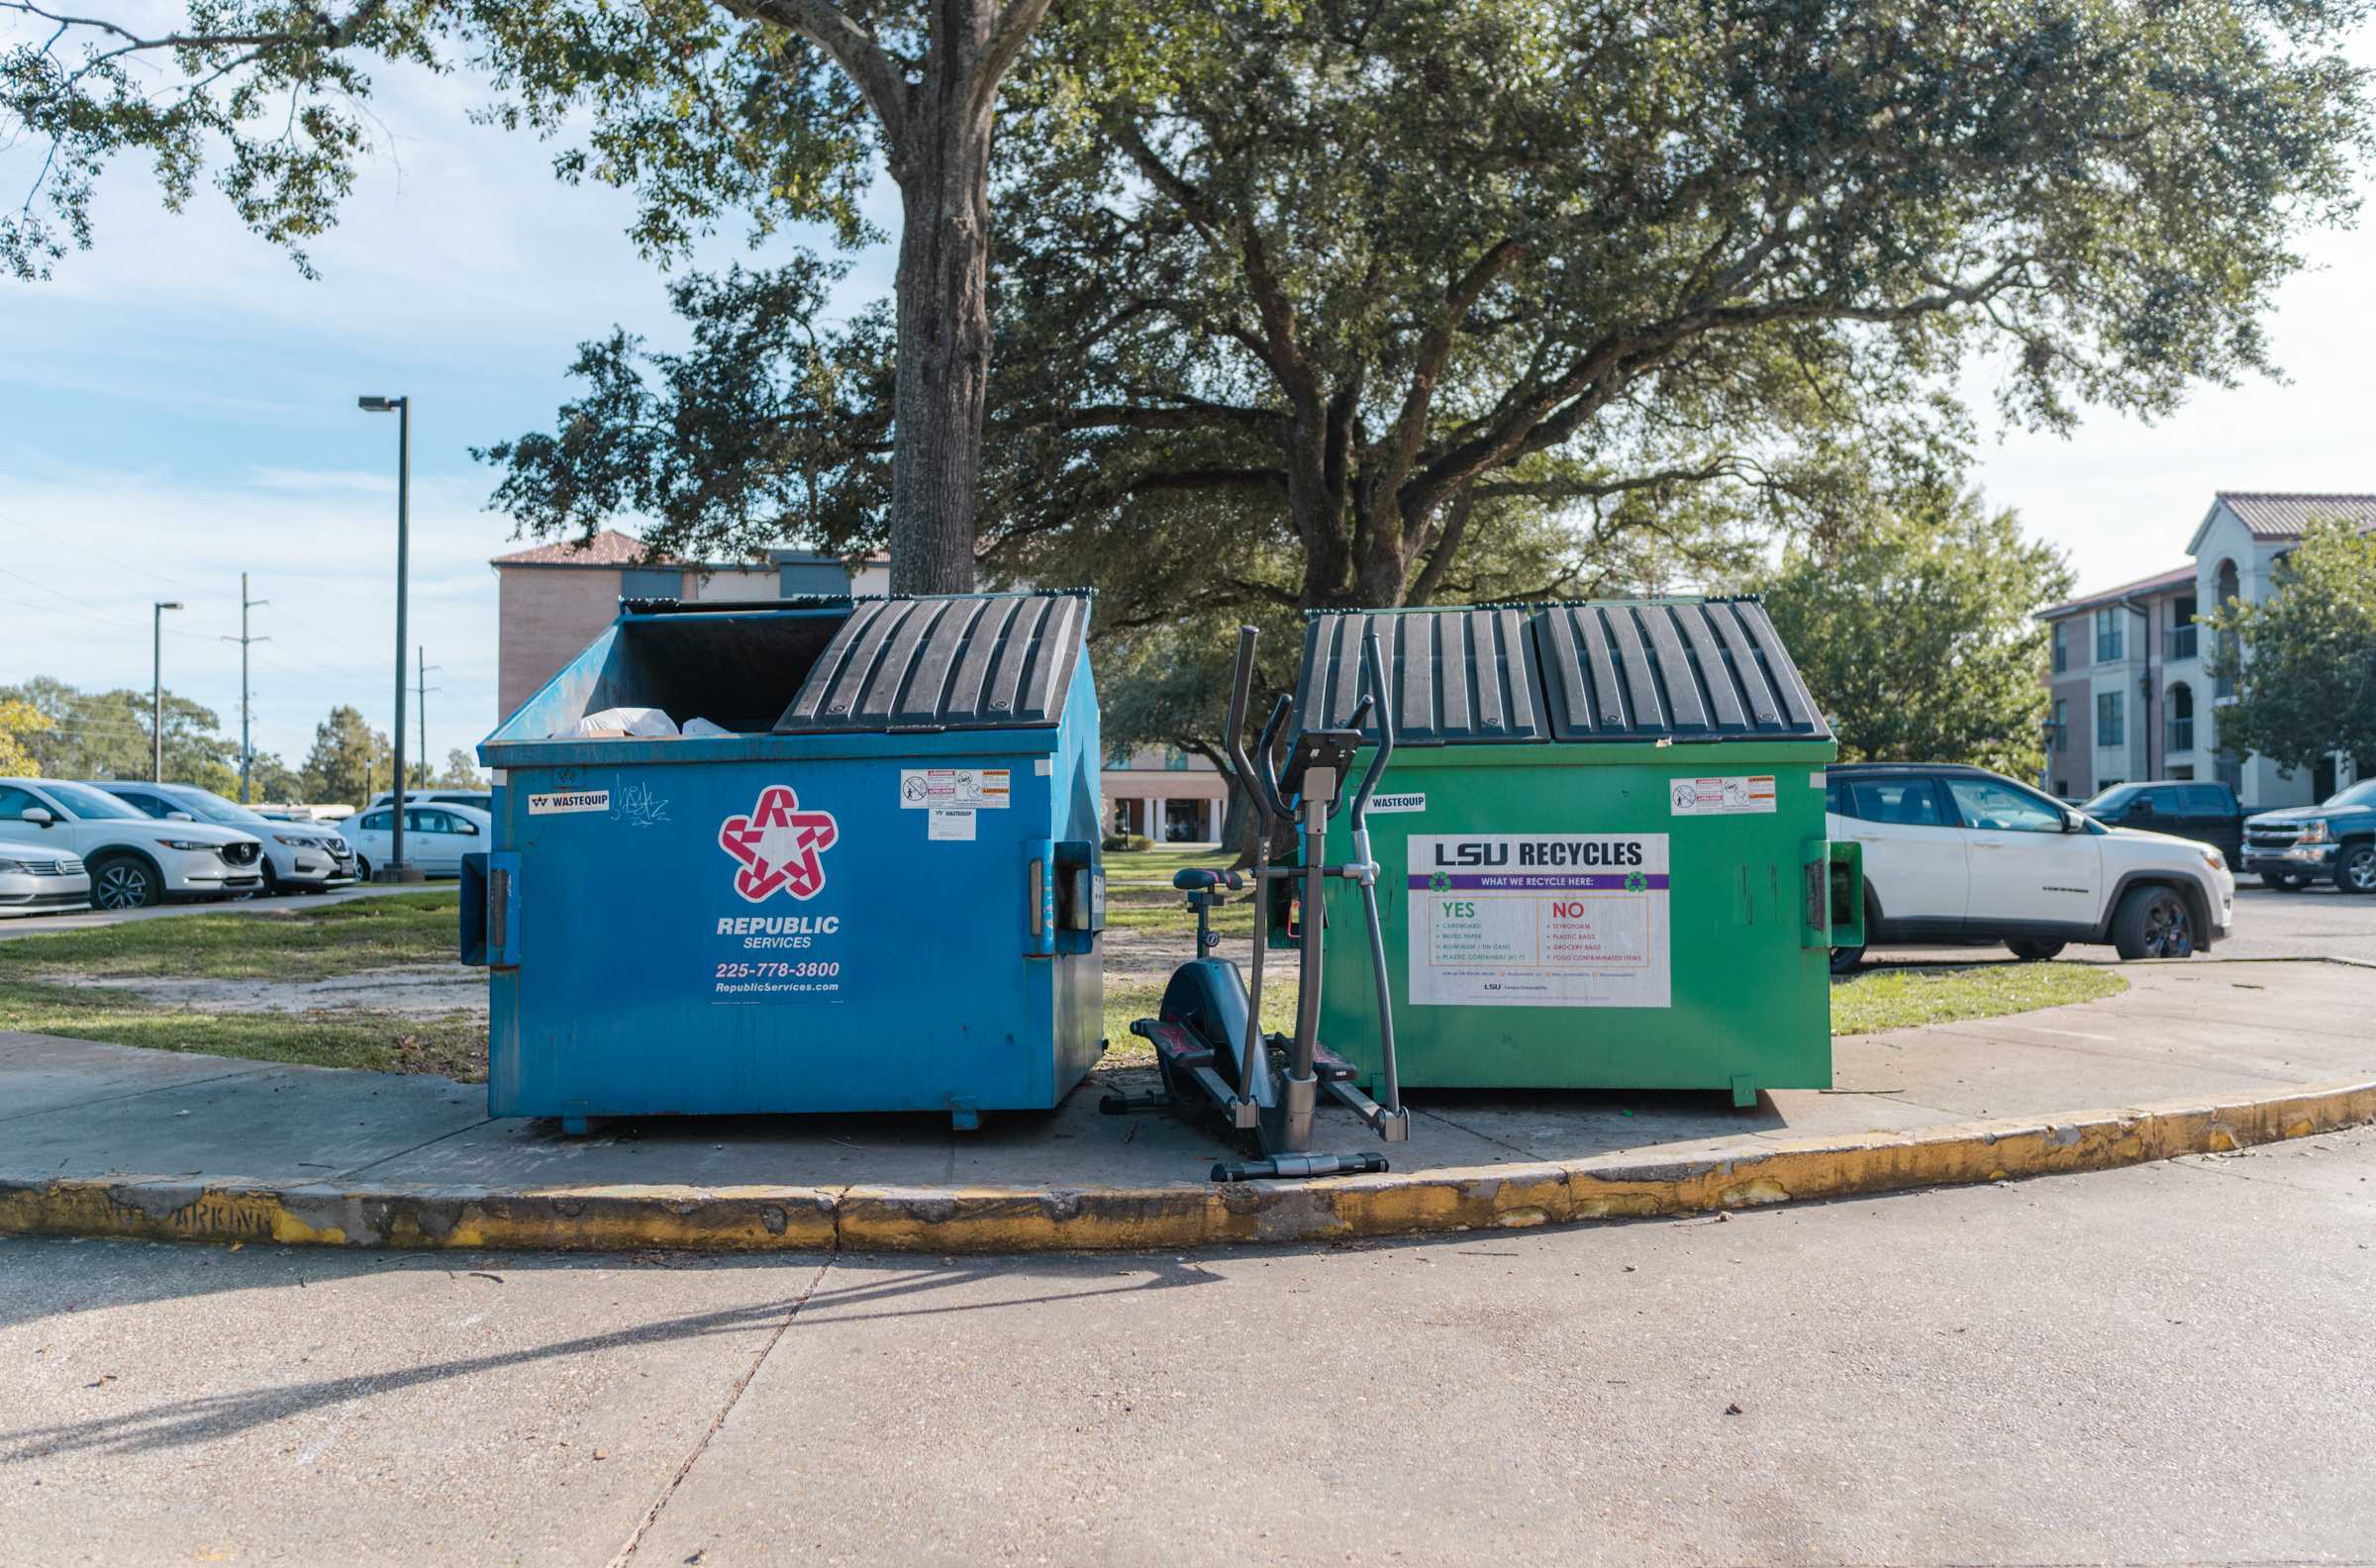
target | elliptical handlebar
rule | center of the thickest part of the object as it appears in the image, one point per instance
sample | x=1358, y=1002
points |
x=1241, y=687
x=1373, y=675
x=1269, y=776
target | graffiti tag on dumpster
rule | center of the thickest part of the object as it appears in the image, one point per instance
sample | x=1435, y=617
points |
x=779, y=847
x=1538, y=920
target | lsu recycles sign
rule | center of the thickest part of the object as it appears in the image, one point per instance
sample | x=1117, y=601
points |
x=1538, y=920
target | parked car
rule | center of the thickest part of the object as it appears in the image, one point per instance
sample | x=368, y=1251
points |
x=2335, y=841
x=298, y=858
x=435, y=837
x=37, y=879
x=2207, y=813
x=1962, y=856
x=477, y=799
x=134, y=858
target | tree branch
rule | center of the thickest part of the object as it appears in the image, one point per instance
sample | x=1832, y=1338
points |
x=1007, y=36
x=848, y=45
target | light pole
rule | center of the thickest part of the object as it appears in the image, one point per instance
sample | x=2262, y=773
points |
x=402, y=407
x=157, y=688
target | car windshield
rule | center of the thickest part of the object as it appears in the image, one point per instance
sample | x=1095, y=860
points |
x=207, y=806
x=89, y=803
x=2112, y=798
x=2362, y=793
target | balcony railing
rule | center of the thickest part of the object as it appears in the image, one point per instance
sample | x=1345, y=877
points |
x=2178, y=642
x=2181, y=737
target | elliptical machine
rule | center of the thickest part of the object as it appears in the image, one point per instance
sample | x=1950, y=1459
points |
x=1216, y=1063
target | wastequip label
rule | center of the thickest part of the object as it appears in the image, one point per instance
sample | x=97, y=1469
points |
x=779, y=846
x=1538, y=920
x=570, y=801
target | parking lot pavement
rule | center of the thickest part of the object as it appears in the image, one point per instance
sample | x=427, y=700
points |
x=2159, y=1364
x=2316, y=923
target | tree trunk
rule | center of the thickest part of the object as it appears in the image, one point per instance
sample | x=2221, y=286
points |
x=942, y=295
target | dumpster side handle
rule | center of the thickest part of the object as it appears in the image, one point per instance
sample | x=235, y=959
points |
x=1833, y=875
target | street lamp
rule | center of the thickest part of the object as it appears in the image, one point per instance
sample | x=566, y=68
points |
x=157, y=688
x=402, y=407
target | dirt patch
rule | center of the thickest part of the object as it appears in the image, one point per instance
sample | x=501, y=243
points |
x=409, y=991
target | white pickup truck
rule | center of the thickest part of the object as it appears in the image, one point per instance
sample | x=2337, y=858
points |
x=1959, y=856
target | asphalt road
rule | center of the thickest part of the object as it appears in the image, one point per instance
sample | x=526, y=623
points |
x=2163, y=1365
x=2315, y=923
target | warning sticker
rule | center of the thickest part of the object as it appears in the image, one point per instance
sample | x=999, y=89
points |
x=1538, y=920
x=953, y=789
x=954, y=826
x=577, y=801
x=1736, y=795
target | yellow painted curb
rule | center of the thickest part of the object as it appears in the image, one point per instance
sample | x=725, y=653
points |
x=1021, y=1219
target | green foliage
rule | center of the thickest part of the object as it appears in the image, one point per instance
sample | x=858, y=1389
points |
x=1916, y=635
x=771, y=428
x=2303, y=660
x=349, y=761
x=272, y=779
x=462, y=773
x=83, y=734
x=18, y=720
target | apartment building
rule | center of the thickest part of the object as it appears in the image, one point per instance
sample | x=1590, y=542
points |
x=2127, y=678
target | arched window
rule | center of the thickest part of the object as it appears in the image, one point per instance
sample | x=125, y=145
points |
x=2179, y=705
x=2224, y=593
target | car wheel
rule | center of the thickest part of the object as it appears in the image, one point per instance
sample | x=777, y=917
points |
x=2035, y=950
x=1847, y=960
x=122, y=882
x=2153, y=922
x=362, y=869
x=2356, y=868
x=2279, y=881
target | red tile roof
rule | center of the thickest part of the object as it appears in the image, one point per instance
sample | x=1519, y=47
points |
x=610, y=547
x=2175, y=577
x=2286, y=514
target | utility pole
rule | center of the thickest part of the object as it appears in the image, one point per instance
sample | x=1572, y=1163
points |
x=247, y=751
x=421, y=690
x=402, y=407
x=157, y=688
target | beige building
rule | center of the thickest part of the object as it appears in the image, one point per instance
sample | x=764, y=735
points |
x=2132, y=697
x=555, y=599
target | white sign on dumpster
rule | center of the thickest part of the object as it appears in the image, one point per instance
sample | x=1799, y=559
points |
x=1538, y=920
x=953, y=789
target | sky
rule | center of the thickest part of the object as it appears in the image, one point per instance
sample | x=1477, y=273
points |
x=177, y=406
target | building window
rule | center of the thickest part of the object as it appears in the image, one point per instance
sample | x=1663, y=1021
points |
x=2110, y=732
x=645, y=582
x=2230, y=773
x=2062, y=646
x=2062, y=788
x=2181, y=735
x=2112, y=629
x=2062, y=725
x=798, y=580
x=2178, y=642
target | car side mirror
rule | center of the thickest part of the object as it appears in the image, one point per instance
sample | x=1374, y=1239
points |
x=470, y=829
x=2072, y=822
x=179, y=817
x=38, y=816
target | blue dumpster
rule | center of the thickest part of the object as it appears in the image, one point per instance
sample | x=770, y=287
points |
x=879, y=889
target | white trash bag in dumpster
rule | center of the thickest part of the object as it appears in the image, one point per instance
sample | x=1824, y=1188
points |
x=642, y=723
x=702, y=726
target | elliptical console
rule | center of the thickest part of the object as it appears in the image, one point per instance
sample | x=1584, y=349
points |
x=1216, y=1063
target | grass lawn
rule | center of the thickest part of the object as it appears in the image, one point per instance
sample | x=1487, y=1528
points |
x=295, y=941
x=454, y=1045
x=1888, y=999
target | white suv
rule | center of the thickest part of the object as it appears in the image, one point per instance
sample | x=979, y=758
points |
x=1961, y=857
x=134, y=858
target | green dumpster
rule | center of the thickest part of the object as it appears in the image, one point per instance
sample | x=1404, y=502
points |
x=1601, y=843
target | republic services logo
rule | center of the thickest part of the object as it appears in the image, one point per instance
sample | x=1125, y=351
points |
x=778, y=845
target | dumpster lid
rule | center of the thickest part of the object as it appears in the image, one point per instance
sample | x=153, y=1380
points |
x=1460, y=678
x=963, y=661
x=1651, y=669
x=1707, y=669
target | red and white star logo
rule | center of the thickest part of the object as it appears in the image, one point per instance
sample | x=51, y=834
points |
x=778, y=844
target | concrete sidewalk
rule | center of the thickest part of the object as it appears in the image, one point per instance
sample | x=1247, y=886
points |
x=151, y=1130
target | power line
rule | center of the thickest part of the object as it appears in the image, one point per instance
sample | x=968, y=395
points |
x=246, y=745
x=55, y=538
